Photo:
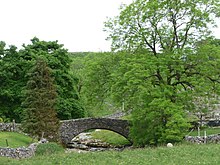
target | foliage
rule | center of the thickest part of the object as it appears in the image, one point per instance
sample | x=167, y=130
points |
x=183, y=154
x=162, y=25
x=14, y=139
x=165, y=71
x=68, y=104
x=12, y=78
x=14, y=67
x=161, y=122
x=1, y=120
x=48, y=149
x=39, y=114
x=94, y=71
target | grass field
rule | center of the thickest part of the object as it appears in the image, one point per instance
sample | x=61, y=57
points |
x=182, y=154
x=178, y=155
x=14, y=139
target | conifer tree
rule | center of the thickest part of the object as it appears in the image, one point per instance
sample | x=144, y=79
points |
x=40, y=116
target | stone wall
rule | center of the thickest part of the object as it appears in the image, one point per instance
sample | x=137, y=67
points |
x=21, y=152
x=10, y=127
x=203, y=139
x=18, y=153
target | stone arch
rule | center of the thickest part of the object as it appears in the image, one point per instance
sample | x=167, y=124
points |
x=71, y=128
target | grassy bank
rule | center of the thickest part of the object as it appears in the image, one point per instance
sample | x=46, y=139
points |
x=178, y=155
x=110, y=137
x=14, y=139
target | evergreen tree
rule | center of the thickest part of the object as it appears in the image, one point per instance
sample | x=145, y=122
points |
x=40, y=98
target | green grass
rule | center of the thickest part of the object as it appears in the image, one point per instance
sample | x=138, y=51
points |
x=209, y=131
x=110, y=137
x=51, y=154
x=14, y=139
x=48, y=149
x=178, y=155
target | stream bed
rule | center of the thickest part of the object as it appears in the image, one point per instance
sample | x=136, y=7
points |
x=85, y=143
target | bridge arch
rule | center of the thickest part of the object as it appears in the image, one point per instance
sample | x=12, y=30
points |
x=71, y=128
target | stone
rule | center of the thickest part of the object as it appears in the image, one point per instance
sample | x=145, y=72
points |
x=43, y=140
x=169, y=145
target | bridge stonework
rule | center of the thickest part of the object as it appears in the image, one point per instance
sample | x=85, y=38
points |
x=71, y=128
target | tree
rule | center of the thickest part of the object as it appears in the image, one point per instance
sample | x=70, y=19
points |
x=68, y=103
x=15, y=64
x=12, y=80
x=164, y=71
x=39, y=104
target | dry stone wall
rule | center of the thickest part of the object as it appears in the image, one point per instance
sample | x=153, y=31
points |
x=10, y=127
x=18, y=153
x=203, y=139
x=21, y=152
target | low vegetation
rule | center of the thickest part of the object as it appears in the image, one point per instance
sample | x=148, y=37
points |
x=48, y=149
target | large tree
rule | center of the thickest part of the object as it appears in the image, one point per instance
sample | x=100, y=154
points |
x=39, y=115
x=68, y=103
x=13, y=69
x=12, y=80
x=165, y=70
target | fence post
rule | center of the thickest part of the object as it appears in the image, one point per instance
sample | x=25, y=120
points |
x=13, y=125
x=6, y=140
x=205, y=137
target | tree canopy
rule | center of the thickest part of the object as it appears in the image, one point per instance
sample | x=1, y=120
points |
x=162, y=25
x=15, y=65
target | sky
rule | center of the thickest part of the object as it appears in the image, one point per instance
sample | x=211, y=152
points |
x=78, y=24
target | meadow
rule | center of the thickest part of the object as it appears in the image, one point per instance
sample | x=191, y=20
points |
x=178, y=155
x=50, y=154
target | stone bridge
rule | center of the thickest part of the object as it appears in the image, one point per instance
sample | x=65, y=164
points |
x=71, y=128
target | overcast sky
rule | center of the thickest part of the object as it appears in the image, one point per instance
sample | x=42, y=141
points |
x=78, y=24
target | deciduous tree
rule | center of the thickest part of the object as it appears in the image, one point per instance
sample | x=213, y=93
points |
x=164, y=70
x=13, y=69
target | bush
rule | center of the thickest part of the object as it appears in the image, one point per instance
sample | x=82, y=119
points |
x=161, y=122
x=49, y=148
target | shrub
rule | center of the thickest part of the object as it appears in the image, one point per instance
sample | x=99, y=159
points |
x=161, y=122
x=49, y=148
